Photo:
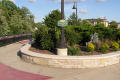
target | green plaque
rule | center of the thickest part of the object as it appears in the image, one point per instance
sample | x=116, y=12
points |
x=62, y=23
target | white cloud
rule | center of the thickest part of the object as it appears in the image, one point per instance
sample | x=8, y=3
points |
x=83, y=11
x=32, y=1
x=100, y=0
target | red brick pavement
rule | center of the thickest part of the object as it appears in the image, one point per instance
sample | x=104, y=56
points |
x=23, y=42
x=8, y=73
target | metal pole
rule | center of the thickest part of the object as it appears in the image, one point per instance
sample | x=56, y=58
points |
x=76, y=14
x=62, y=9
x=62, y=43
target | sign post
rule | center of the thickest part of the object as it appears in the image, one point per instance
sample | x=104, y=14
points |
x=62, y=23
x=62, y=50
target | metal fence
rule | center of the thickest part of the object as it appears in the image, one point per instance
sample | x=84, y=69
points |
x=8, y=39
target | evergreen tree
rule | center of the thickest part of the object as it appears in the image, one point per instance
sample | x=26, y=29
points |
x=52, y=18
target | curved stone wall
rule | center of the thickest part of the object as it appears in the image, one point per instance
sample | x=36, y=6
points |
x=70, y=61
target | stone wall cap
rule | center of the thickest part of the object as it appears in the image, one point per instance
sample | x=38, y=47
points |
x=25, y=50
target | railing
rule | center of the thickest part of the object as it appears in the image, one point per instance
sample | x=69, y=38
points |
x=8, y=39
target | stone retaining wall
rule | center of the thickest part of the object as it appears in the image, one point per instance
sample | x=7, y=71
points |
x=70, y=61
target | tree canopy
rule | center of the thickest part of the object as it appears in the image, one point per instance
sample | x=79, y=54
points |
x=113, y=24
x=15, y=20
x=52, y=18
x=72, y=19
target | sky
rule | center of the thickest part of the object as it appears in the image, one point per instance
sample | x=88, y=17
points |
x=87, y=9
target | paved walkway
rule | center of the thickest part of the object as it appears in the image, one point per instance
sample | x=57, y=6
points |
x=8, y=73
x=8, y=56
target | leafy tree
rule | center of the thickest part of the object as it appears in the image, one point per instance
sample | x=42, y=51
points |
x=9, y=5
x=99, y=21
x=52, y=18
x=85, y=23
x=45, y=39
x=19, y=25
x=72, y=19
x=38, y=24
x=113, y=24
x=16, y=24
x=72, y=37
x=51, y=21
x=25, y=11
x=100, y=25
x=4, y=29
x=9, y=8
x=18, y=20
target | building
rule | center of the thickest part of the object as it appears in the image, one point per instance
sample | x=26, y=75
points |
x=96, y=21
x=118, y=25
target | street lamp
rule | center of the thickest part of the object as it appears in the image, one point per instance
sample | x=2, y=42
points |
x=62, y=9
x=75, y=7
x=62, y=50
x=62, y=42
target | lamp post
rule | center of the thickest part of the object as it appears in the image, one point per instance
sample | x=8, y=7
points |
x=62, y=9
x=75, y=7
x=62, y=42
x=62, y=50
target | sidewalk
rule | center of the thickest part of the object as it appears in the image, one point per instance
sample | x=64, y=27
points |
x=8, y=73
x=8, y=56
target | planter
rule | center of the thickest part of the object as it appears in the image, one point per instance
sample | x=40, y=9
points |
x=91, y=61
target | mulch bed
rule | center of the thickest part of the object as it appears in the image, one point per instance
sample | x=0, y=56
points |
x=82, y=52
x=98, y=52
x=40, y=51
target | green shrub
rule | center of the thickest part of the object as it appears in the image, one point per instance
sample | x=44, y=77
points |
x=115, y=46
x=94, y=38
x=72, y=37
x=73, y=50
x=49, y=38
x=85, y=37
x=119, y=42
x=52, y=18
x=109, y=42
x=84, y=32
x=104, y=48
x=90, y=47
x=46, y=38
x=43, y=38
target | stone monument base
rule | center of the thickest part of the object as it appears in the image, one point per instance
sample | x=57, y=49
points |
x=62, y=51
